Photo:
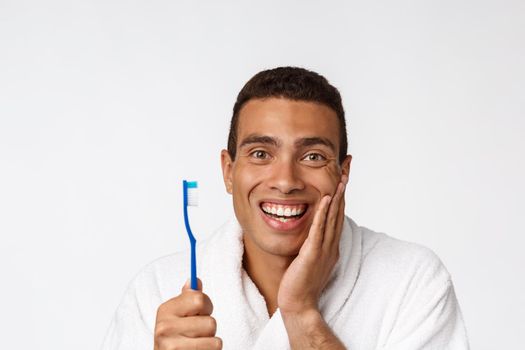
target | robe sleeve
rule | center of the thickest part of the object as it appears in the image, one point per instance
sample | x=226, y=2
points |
x=429, y=317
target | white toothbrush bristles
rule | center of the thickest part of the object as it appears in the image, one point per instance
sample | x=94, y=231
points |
x=193, y=197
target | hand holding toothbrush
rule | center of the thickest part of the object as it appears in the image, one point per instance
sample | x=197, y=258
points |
x=185, y=322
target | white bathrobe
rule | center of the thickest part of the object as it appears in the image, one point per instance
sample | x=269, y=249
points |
x=384, y=294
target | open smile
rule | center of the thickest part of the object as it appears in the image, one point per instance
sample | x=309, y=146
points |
x=283, y=216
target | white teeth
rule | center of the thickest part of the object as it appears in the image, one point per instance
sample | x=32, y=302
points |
x=284, y=211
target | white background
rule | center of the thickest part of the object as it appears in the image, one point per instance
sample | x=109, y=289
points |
x=105, y=106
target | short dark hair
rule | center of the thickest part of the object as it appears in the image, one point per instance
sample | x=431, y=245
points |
x=293, y=83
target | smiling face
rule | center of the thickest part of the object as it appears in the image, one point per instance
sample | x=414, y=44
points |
x=286, y=161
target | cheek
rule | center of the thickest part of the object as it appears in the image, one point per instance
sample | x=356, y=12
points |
x=245, y=179
x=325, y=180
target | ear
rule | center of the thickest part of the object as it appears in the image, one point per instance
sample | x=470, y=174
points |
x=345, y=166
x=227, y=165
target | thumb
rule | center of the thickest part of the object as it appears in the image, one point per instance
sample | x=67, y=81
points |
x=187, y=285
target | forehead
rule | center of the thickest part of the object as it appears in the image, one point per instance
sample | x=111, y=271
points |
x=287, y=120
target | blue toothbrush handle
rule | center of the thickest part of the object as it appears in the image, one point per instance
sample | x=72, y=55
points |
x=193, y=243
x=194, y=285
x=193, y=278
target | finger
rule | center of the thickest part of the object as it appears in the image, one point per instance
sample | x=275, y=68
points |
x=197, y=303
x=187, y=285
x=331, y=220
x=315, y=235
x=341, y=215
x=209, y=343
x=189, y=303
x=340, y=221
x=344, y=179
x=192, y=326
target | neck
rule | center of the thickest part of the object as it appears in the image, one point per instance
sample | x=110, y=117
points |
x=266, y=271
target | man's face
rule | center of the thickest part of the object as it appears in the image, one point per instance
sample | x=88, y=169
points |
x=286, y=161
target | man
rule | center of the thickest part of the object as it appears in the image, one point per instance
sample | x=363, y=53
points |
x=290, y=270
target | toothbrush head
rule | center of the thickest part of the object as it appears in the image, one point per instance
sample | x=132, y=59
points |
x=191, y=193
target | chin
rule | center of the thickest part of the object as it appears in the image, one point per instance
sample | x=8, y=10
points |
x=281, y=246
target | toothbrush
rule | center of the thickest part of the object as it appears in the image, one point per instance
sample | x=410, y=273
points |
x=191, y=199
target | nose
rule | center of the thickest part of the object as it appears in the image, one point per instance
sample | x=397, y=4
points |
x=286, y=177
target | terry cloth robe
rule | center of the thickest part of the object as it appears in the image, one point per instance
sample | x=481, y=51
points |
x=384, y=294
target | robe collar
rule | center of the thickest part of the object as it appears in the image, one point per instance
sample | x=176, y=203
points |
x=240, y=309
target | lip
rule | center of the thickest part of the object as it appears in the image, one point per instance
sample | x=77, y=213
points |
x=283, y=201
x=284, y=226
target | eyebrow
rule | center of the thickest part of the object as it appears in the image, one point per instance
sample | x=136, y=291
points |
x=311, y=141
x=303, y=142
x=256, y=138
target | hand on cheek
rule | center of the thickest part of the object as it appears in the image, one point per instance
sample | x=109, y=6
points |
x=308, y=274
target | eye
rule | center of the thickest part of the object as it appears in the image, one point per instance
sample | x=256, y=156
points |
x=315, y=157
x=259, y=154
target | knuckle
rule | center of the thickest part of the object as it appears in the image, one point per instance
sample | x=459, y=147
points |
x=198, y=300
x=169, y=305
x=161, y=309
x=162, y=329
x=163, y=344
x=212, y=325
x=217, y=343
x=208, y=303
x=175, y=344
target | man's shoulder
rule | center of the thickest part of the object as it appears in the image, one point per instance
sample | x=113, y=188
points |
x=387, y=254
